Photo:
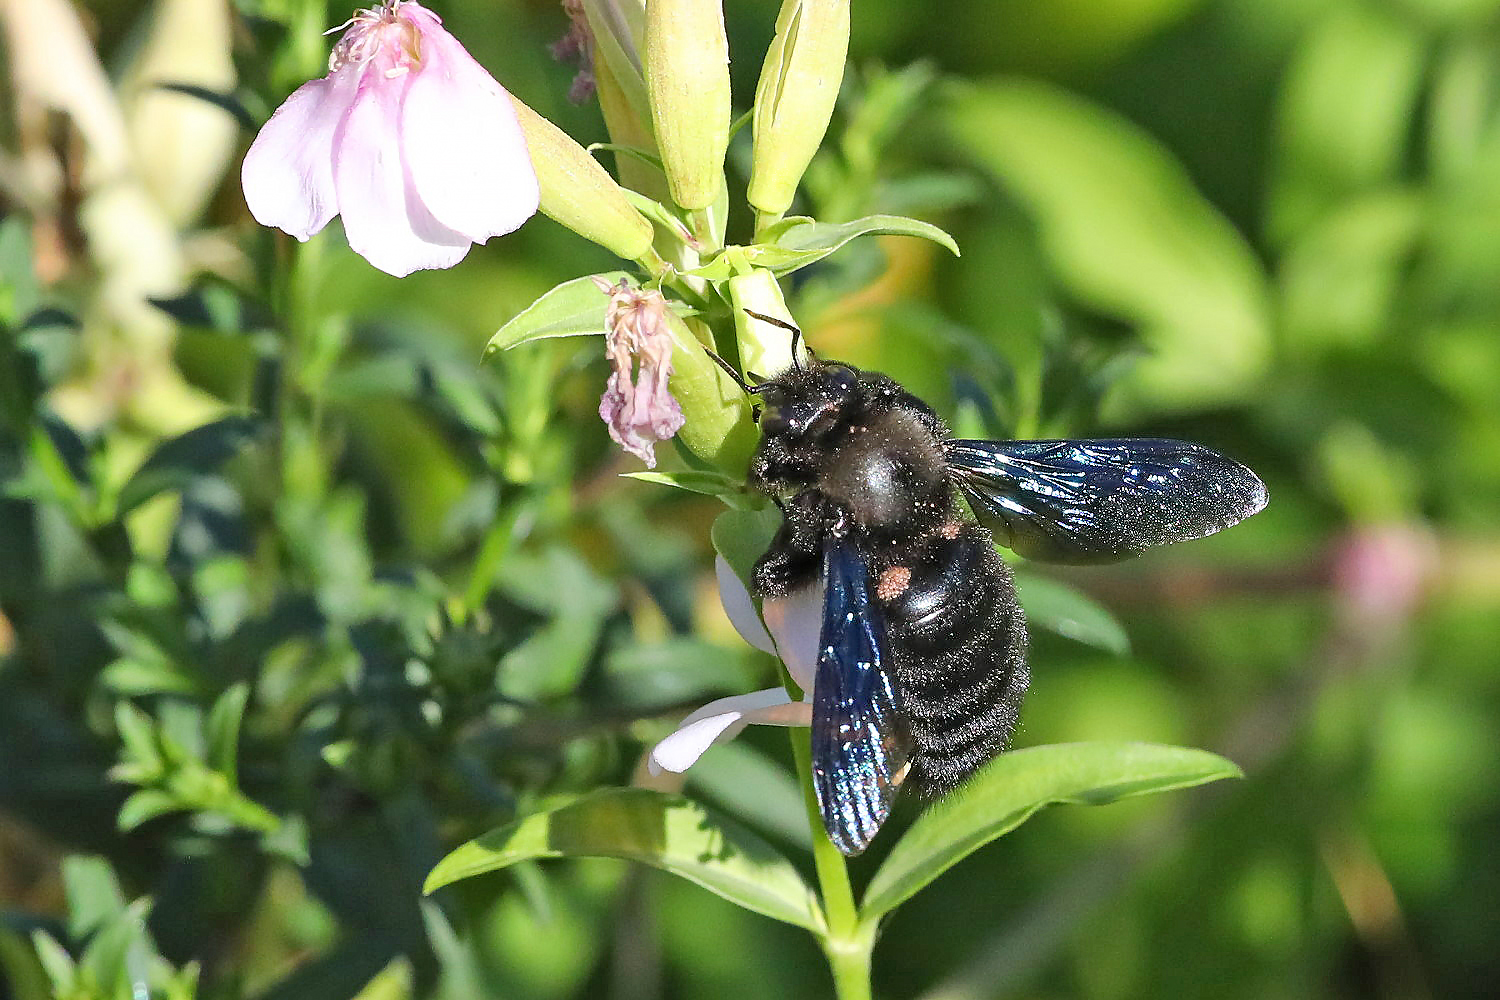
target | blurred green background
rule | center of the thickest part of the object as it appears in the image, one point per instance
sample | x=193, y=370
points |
x=311, y=595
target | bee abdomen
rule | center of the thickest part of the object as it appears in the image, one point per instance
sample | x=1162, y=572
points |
x=958, y=643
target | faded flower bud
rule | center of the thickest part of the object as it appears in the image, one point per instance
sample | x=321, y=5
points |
x=637, y=406
x=577, y=46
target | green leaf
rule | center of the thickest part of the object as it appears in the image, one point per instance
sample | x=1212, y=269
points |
x=222, y=730
x=714, y=484
x=177, y=462
x=217, y=306
x=1057, y=607
x=1127, y=235
x=22, y=971
x=797, y=242
x=56, y=962
x=742, y=537
x=573, y=309
x=112, y=952
x=137, y=732
x=1008, y=790
x=665, y=831
x=1345, y=114
x=146, y=805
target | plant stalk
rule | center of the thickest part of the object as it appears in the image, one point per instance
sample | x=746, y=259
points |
x=847, y=943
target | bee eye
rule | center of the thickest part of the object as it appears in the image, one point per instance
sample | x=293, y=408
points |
x=842, y=377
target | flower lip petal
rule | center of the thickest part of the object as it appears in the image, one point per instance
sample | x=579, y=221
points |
x=460, y=140
x=287, y=174
x=722, y=720
x=383, y=221
x=740, y=608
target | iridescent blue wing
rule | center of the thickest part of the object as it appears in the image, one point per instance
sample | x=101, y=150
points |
x=859, y=736
x=1082, y=501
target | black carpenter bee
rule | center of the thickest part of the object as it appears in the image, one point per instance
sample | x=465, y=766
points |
x=922, y=653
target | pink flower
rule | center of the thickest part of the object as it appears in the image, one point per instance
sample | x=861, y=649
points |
x=637, y=405
x=407, y=137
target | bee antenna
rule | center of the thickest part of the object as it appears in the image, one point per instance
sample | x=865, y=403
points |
x=750, y=390
x=796, y=332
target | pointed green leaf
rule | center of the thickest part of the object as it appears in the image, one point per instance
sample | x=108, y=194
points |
x=195, y=453
x=713, y=484
x=56, y=962
x=1008, y=790
x=144, y=806
x=665, y=831
x=573, y=309
x=798, y=242
x=222, y=730
x=1057, y=607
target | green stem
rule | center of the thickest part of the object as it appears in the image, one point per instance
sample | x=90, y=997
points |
x=847, y=943
x=764, y=221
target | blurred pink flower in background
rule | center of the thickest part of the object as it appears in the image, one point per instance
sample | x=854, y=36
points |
x=407, y=137
x=637, y=406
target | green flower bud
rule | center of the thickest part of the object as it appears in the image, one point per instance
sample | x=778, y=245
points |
x=687, y=80
x=765, y=348
x=717, y=426
x=580, y=194
x=794, y=98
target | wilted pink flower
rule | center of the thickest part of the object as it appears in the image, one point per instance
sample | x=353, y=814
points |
x=637, y=405
x=407, y=137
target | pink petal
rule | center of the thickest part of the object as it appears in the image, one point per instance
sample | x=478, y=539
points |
x=796, y=622
x=722, y=720
x=288, y=172
x=740, y=608
x=467, y=157
x=384, y=221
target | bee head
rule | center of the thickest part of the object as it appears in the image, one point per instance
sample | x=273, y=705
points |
x=809, y=401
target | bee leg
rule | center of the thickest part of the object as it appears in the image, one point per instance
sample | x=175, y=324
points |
x=795, y=556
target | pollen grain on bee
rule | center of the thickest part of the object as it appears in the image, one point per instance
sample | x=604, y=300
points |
x=893, y=583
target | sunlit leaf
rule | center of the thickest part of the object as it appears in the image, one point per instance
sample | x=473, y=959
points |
x=572, y=309
x=665, y=831
x=145, y=805
x=714, y=484
x=1127, y=234
x=1012, y=787
x=798, y=242
x=1346, y=113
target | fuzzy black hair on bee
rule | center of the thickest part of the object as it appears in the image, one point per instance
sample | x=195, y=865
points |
x=922, y=652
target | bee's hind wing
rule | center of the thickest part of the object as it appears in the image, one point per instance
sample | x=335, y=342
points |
x=860, y=742
x=1083, y=501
